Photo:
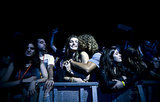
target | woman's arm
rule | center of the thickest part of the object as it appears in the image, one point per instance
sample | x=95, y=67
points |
x=17, y=82
x=8, y=72
x=73, y=79
x=86, y=68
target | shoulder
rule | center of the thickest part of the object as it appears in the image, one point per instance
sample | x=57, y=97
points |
x=97, y=55
x=49, y=56
x=83, y=53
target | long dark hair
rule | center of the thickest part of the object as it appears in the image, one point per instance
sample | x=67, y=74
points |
x=68, y=50
x=134, y=61
x=22, y=59
x=107, y=64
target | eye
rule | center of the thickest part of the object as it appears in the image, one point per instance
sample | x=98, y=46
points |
x=71, y=41
x=32, y=48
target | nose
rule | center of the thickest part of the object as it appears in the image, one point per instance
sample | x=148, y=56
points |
x=29, y=49
x=44, y=44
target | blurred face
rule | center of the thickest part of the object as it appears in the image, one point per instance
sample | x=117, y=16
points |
x=117, y=56
x=30, y=51
x=41, y=44
x=155, y=62
x=73, y=43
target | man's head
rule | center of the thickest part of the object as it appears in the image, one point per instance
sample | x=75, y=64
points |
x=41, y=44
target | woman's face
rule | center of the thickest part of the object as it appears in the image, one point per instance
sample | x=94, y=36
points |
x=30, y=51
x=117, y=56
x=73, y=43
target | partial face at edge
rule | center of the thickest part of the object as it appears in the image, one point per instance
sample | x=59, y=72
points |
x=73, y=43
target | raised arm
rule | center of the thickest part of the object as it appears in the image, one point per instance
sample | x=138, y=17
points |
x=54, y=31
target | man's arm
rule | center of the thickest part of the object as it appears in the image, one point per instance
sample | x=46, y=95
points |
x=50, y=72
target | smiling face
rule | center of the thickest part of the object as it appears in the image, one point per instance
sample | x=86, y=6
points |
x=73, y=43
x=117, y=56
x=30, y=51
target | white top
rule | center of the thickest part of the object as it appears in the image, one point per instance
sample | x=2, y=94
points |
x=48, y=59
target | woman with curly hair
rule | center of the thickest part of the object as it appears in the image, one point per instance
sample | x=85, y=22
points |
x=72, y=52
x=88, y=44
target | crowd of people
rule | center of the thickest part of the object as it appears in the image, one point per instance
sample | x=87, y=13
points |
x=116, y=67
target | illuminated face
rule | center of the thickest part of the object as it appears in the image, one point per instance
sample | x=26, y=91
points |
x=117, y=56
x=30, y=51
x=73, y=43
x=41, y=44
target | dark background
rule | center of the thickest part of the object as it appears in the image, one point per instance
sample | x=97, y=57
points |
x=20, y=21
x=104, y=33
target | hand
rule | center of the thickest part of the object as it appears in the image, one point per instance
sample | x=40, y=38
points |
x=118, y=85
x=124, y=77
x=49, y=83
x=77, y=80
x=31, y=89
x=67, y=65
x=54, y=31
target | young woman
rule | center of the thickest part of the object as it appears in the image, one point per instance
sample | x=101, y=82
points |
x=75, y=54
x=88, y=49
x=113, y=76
x=26, y=73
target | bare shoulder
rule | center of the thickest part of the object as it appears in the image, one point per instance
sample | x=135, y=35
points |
x=83, y=53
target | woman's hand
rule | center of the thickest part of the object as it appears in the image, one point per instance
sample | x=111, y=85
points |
x=67, y=65
x=77, y=79
x=118, y=85
x=32, y=88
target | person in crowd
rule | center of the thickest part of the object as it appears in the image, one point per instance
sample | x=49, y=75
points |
x=87, y=47
x=58, y=54
x=90, y=46
x=72, y=52
x=114, y=76
x=112, y=69
x=137, y=70
x=154, y=68
x=135, y=64
x=48, y=63
x=6, y=65
x=26, y=71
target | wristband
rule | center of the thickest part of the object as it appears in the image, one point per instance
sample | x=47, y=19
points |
x=123, y=83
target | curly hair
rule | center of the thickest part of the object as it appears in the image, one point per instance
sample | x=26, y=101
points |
x=88, y=43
